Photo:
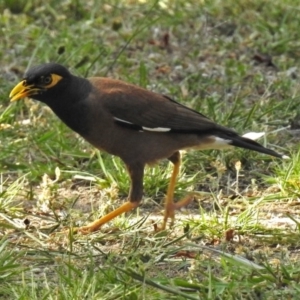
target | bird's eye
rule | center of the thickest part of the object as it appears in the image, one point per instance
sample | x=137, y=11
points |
x=46, y=79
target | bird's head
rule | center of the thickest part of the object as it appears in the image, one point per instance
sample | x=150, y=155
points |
x=41, y=82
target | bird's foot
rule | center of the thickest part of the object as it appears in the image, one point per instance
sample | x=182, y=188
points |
x=96, y=225
x=84, y=229
x=170, y=208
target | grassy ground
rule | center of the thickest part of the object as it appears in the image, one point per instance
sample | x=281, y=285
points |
x=235, y=61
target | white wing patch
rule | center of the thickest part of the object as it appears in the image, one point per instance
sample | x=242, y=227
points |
x=157, y=129
x=123, y=121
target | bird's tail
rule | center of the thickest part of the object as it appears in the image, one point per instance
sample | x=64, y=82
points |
x=246, y=143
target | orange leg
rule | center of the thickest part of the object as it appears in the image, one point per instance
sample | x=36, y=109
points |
x=136, y=173
x=170, y=206
x=94, y=226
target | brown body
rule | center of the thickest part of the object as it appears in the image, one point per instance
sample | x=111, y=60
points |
x=149, y=146
x=139, y=126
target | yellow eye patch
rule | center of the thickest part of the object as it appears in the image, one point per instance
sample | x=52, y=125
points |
x=55, y=79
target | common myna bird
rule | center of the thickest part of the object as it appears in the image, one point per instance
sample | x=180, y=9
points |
x=139, y=126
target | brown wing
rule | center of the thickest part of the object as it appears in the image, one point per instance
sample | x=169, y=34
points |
x=144, y=108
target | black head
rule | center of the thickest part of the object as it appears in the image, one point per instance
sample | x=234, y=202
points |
x=41, y=81
x=64, y=93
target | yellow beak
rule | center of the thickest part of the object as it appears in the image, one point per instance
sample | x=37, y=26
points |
x=21, y=90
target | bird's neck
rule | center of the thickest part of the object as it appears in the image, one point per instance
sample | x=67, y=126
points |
x=70, y=106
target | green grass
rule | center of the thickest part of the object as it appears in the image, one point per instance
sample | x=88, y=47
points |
x=239, y=239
